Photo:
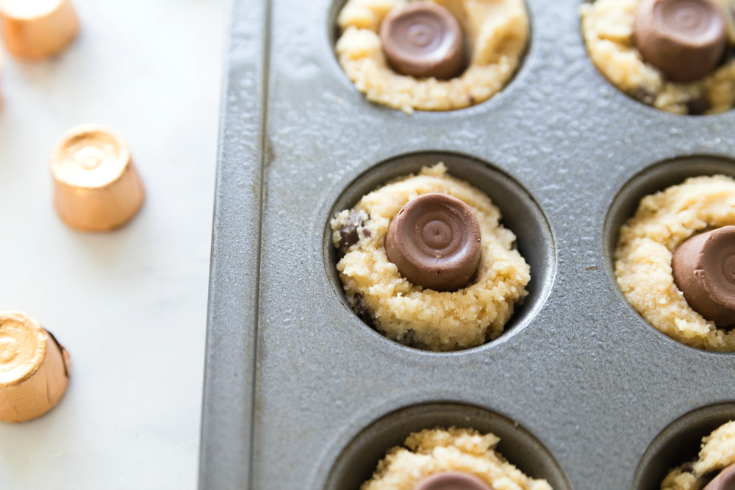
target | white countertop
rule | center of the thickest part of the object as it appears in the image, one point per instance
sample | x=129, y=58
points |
x=130, y=306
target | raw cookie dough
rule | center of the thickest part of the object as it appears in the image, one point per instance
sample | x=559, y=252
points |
x=412, y=315
x=645, y=249
x=438, y=451
x=607, y=27
x=718, y=452
x=496, y=33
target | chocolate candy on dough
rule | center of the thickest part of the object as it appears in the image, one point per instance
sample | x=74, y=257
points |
x=724, y=481
x=704, y=270
x=683, y=38
x=435, y=242
x=454, y=480
x=423, y=39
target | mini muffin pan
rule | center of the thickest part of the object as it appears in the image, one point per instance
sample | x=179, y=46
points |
x=300, y=393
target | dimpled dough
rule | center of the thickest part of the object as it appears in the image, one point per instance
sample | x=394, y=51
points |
x=718, y=452
x=439, y=451
x=439, y=321
x=645, y=249
x=607, y=27
x=496, y=33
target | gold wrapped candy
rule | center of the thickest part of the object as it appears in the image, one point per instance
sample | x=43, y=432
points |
x=97, y=187
x=36, y=29
x=34, y=368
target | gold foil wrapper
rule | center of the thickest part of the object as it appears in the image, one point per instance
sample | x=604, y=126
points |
x=34, y=368
x=96, y=185
x=36, y=29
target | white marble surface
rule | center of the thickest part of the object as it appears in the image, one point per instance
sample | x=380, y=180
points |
x=130, y=306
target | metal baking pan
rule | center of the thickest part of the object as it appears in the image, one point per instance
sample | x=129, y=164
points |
x=582, y=390
x=233, y=293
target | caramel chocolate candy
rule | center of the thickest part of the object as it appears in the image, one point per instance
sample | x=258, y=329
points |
x=97, y=187
x=724, y=481
x=704, y=270
x=34, y=368
x=35, y=29
x=683, y=38
x=435, y=242
x=454, y=480
x=423, y=39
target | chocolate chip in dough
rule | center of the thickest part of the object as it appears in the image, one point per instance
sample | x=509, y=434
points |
x=454, y=480
x=685, y=39
x=644, y=95
x=349, y=234
x=435, y=242
x=704, y=270
x=687, y=468
x=363, y=311
x=698, y=106
x=410, y=339
x=423, y=39
x=724, y=481
x=728, y=54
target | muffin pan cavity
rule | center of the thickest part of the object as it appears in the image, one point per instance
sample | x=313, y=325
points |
x=488, y=77
x=649, y=52
x=520, y=214
x=679, y=443
x=359, y=459
x=654, y=179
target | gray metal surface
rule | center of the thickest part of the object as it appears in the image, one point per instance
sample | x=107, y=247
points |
x=581, y=373
x=233, y=294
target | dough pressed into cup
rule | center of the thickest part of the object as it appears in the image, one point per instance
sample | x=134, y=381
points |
x=645, y=249
x=435, y=451
x=496, y=33
x=607, y=28
x=410, y=314
x=718, y=452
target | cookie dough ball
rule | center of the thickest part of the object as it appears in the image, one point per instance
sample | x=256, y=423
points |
x=438, y=456
x=409, y=313
x=675, y=55
x=645, y=253
x=713, y=466
x=495, y=38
